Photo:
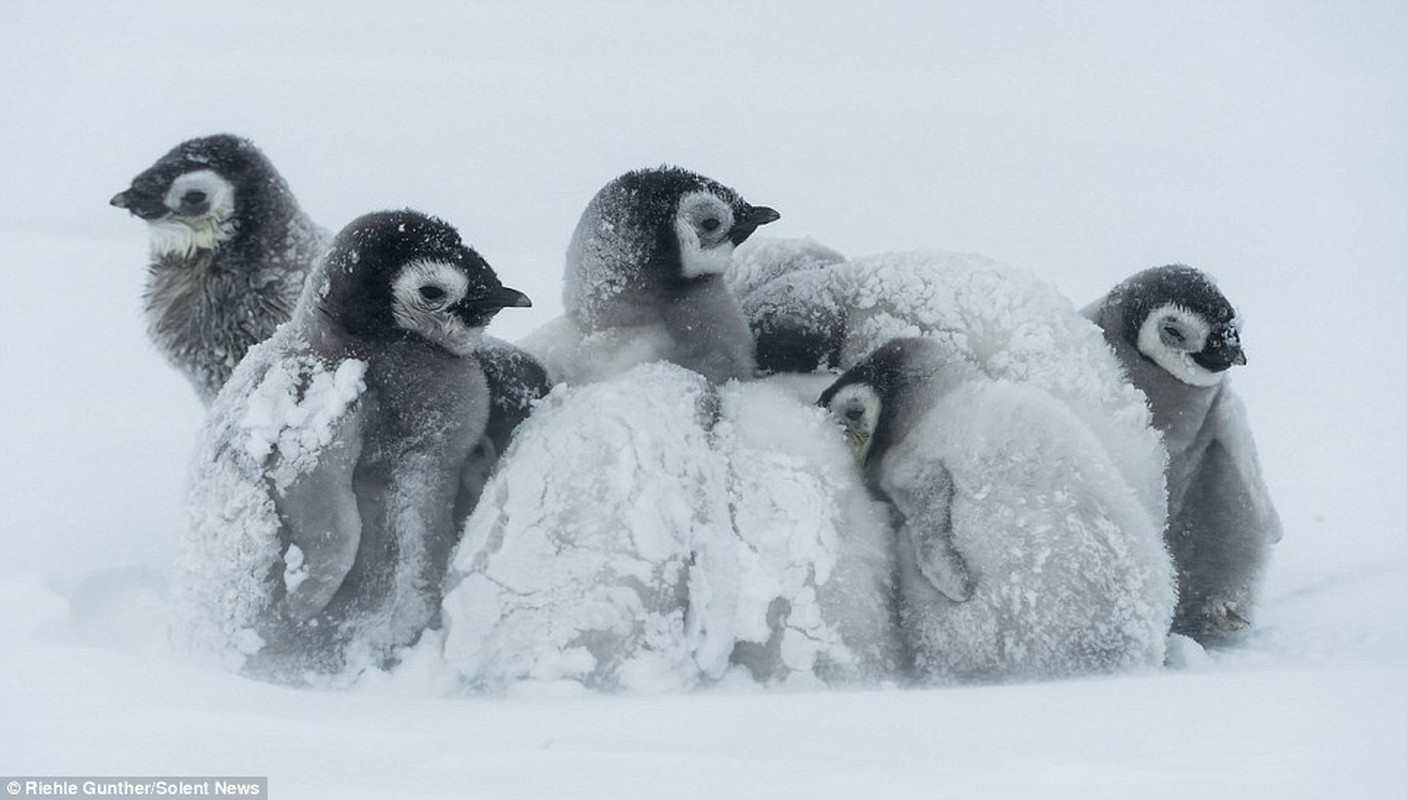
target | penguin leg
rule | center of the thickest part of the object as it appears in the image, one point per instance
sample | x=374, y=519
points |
x=320, y=515
x=932, y=535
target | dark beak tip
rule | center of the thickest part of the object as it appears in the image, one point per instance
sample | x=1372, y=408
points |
x=118, y=200
x=764, y=214
x=516, y=299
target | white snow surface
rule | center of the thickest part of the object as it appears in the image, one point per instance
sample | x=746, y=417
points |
x=1256, y=140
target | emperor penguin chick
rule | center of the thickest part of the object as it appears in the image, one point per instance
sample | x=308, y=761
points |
x=644, y=280
x=230, y=249
x=1022, y=550
x=1177, y=336
x=329, y=477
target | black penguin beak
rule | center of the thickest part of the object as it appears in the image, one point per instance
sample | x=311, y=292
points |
x=139, y=206
x=477, y=311
x=504, y=297
x=748, y=219
x=1223, y=355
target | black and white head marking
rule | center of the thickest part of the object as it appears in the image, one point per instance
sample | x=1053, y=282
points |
x=402, y=275
x=866, y=398
x=202, y=207
x=653, y=233
x=857, y=407
x=1181, y=341
x=422, y=297
x=708, y=229
x=1177, y=318
x=197, y=196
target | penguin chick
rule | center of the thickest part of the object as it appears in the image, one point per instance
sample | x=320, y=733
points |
x=230, y=249
x=516, y=382
x=1177, y=337
x=644, y=280
x=330, y=471
x=1022, y=550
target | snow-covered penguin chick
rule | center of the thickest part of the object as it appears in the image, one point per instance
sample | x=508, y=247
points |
x=1177, y=336
x=644, y=280
x=230, y=249
x=327, y=478
x=1022, y=551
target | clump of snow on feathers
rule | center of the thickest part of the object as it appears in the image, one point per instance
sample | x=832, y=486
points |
x=1013, y=325
x=294, y=411
x=814, y=558
x=230, y=565
x=649, y=532
x=587, y=556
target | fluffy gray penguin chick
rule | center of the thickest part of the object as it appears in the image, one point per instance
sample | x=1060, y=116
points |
x=1022, y=551
x=878, y=401
x=368, y=522
x=230, y=249
x=644, y=272
x=1177, y=336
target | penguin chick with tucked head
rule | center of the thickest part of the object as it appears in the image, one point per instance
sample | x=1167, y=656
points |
x=644, y=280
x=1022, y=550
x=230, y=249
x=357, y=422
x=1177, y=337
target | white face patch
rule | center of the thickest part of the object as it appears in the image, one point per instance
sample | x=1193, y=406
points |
x=1170, y=336
x=856, y=407
x=421, y=297
x=202, y=210
x=701, y=225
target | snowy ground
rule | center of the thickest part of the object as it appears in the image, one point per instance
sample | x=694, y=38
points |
x=1260, y=141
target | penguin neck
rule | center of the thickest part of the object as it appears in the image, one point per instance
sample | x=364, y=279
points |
x=709, y=333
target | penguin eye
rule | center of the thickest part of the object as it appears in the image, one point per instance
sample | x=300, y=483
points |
x=193, y=198
x=1173, y=335
x=711, y=224
x=854, y=413
x=432, y=293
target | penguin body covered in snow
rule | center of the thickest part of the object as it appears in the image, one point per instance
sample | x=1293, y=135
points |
x=328, y=477
x=1023, y=552
x=654, y=524
x=816, y=311
x=643, y=280
x=1177, y=336
x=230, y=249
x=651, y=532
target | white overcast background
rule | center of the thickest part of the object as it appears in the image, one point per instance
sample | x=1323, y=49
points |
x=1265, y=142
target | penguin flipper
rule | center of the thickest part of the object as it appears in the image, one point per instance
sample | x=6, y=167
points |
x=937, y=557
x=1233, y=455
x=320, y=515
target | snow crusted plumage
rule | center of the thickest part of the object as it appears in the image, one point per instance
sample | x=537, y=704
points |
x=1064, y=570
x=820, y=311
x=279, y=408
x=648, y=531
x=814, y=556
x=588, y=555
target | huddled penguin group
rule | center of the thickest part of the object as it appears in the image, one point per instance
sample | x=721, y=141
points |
x=777, y=465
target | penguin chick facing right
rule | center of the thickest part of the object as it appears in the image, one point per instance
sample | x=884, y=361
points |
x=1022, y=551
x=230, y=250
x=328, y=476
x=1177, y=337
x=644, y=281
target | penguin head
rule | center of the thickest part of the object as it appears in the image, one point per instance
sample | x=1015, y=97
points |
x=864, y=400
x=654, y=232
x=198, y=195
x=404, y=276
x=1176, y=317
